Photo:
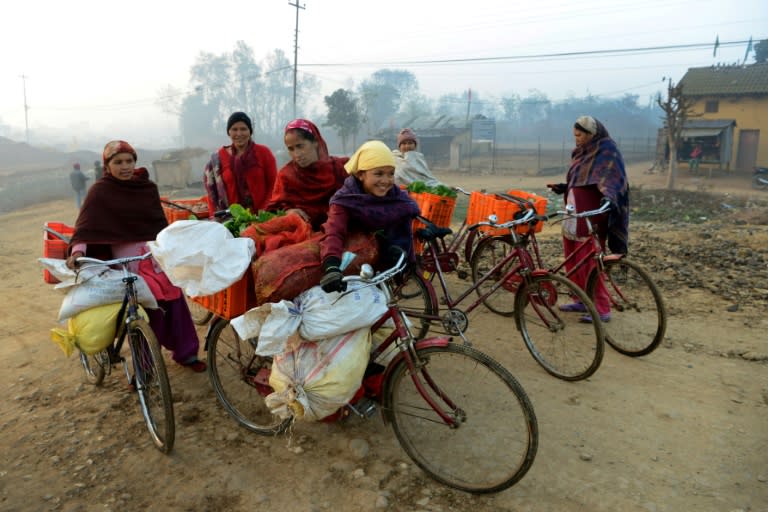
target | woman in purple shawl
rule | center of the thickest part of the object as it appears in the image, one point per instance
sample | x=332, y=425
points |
x=367, y=202
x=596, y=172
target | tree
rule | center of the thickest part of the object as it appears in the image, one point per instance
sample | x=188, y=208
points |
x=677, y=109
x=382, y=96
x=761, y=51
x=343, y=114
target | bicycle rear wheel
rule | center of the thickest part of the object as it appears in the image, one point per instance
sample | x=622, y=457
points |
x=562, y=343
x=490, y=252
x=495, y=438
x=638, y=316
x=93, y=366
x=413, y=299
x=240, y=379
x=152, y=384
x=200, y=315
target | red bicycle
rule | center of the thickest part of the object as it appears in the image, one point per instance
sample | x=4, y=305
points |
x=460, y=415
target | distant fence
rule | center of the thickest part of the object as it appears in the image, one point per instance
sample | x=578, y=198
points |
x=536, y=154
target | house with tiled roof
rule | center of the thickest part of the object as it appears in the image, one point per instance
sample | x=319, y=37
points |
x=729, y=117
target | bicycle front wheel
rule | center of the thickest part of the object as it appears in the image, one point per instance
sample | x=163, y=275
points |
x=93, y=366
x=494, y=439
x=638, y=316
x=564, y=344
x=240, y=379
x=413, y=299
x=490, y=252
x=152, y=384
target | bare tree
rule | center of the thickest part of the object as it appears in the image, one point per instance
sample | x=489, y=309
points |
x=677, y=109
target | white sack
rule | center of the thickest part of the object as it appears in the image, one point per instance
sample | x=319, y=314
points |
x=201, y=257
x=93, y=286
x=317, y=377
x=273, y=323
x=325, y=314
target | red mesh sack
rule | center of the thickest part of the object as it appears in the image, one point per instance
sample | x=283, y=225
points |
x=278, y=232
x=286, y=272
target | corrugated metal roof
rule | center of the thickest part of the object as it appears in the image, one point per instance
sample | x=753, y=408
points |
x=709, y=123
x=726, y=80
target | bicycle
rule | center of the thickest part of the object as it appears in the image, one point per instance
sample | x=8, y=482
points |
x=512, y=286
x=149, y=377
x=639, y=320
x=441, y=398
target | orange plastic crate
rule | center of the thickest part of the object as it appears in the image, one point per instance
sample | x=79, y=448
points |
x=438, y=209
x=54, y=247
x=482, y=205
x=199, y=206
x=233, y=301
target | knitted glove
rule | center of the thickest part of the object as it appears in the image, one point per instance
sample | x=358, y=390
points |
x=331, y=280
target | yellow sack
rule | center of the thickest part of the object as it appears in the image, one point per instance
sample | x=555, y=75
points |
x=90, y=331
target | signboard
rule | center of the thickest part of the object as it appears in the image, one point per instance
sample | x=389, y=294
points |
x=483, y=130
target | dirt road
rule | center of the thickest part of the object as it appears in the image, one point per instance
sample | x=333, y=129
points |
x=685, y=428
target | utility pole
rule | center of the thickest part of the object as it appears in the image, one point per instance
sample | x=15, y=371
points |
x=295, y=52
x=26, y=108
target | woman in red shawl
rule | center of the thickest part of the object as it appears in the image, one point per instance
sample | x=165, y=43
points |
x=121, y=212
x=306, y=183
x=243, y=172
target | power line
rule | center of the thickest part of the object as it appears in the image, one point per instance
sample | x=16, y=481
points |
x=540, y=56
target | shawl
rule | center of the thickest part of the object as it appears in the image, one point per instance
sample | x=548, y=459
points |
x=599, y=163
x=390, y=217
x=252, y=177
x=119, y=211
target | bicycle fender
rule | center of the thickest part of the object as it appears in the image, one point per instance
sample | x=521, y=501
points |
x=540, y=272
x=440, y=341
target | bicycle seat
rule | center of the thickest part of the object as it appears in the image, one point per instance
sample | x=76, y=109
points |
x=432, y=232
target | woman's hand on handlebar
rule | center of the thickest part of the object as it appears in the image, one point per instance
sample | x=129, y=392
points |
x=72, y=259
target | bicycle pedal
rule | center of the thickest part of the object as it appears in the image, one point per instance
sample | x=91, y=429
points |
x=365, y=407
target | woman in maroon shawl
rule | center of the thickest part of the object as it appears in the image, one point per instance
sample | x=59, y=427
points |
x=243, y=172
x=596, y=172
x=369, y=202
x=306, y=183
x=121, y=212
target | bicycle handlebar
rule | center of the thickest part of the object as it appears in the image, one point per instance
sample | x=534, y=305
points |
x=529, y=216
x=116, y=261
x=368, y=277
x=569, y=210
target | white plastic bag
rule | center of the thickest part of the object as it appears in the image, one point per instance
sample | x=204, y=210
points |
x=201, y=257
x=317, y=377
x=93, y=286
x=273, y=323
x=325, y=314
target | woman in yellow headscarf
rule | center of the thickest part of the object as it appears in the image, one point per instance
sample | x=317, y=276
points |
x=367, y=202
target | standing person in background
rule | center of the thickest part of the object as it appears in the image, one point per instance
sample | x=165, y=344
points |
x=369, y=202
x=306, y=183
x=410, y=165
x=243, y=172
x=596, y=172
x=121, y=212
x=77, y=179
x=693, y=163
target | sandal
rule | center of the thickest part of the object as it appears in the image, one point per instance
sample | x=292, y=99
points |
x=587, y=319
x=195, y=365
x=573, y=307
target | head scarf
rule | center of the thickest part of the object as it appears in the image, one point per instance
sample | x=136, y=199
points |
x=406, y=134
x=309, y=127
x=586, y=124
x=370, y=155
x=599, y=163
x=239, y=117
x=114, y=147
